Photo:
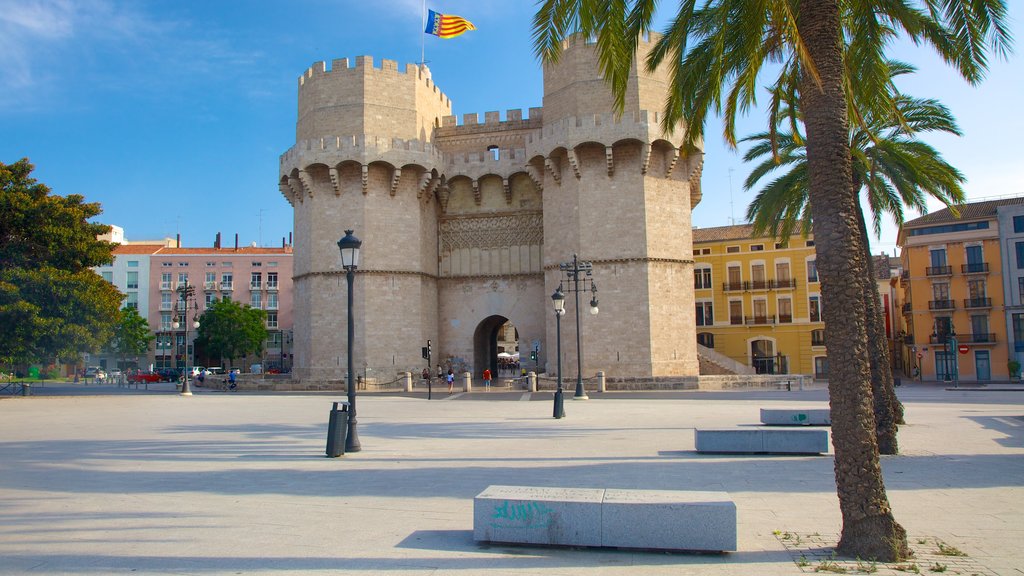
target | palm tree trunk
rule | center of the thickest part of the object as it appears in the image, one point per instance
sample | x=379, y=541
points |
x=882, y=389
x=869, y=529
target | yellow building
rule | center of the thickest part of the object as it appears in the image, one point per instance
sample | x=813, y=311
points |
x=953, y=307
x=759, y=301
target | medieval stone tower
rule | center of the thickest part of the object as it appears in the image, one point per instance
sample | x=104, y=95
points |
x=464, y=225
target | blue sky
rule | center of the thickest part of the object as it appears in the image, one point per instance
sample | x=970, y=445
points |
x=172, y=114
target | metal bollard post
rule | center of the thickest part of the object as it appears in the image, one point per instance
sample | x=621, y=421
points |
x=532, y=378
x=337, y=425
x=602, y=386
x=26, y=389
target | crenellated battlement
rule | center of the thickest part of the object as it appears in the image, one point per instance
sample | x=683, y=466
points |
x=607, y=128
x=364, y=65
x=493, y=119
x=359, y=147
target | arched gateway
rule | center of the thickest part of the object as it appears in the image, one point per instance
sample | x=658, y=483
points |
x=464, y=225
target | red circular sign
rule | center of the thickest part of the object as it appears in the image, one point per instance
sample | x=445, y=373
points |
x=920, y=354
x=962, y=348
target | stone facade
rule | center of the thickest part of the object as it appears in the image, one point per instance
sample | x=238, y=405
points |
x=464, y=225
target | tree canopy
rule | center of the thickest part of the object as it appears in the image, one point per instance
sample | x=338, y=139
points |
x=131, y=334
x=230, y=330
x=52, y=305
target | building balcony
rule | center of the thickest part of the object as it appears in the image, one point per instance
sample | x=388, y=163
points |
x=734, y=286
x=977, y=338
x=227, y=286
x=736, y=320
x=271, y=306
x=758, y=320
x=272, y=286
x=165, y=305
x=758, y=284
x=817, y=340
x=785, y=318
x=941, y=305
x=977, y=302
x=784, y=284
x=974, y=268
x=255, y=286
x=166, y=286
x=209, y=285
x=908, y=308
x=939, y=271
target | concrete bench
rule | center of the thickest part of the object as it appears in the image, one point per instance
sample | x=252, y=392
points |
x=796, y=416
x=761, y=441
x=646, y=519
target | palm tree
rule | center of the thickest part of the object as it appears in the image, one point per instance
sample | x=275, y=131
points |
x=716, y=53
x=895, y=170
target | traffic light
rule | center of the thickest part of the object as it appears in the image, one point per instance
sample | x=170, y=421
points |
x=533, y=356
x=426, y=351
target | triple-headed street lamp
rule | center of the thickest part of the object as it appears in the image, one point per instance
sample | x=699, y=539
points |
x=558, y=300
x=950, y=361
x=579, y=271
x=349, y=246
x=186, y=294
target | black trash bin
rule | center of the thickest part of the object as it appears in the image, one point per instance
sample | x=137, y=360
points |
x=337, y=428
x=26, y=389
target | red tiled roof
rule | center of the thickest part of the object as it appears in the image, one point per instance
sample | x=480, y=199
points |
x=225, y=251
x=719, y=233
x=137, y=249
x=972, y=211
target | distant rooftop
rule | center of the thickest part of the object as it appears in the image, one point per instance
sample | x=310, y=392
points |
x=972, y=211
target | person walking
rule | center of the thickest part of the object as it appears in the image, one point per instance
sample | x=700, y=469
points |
x=451, y=380
x=487, y=378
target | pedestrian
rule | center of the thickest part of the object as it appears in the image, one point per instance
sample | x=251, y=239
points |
x=487, y=378
x=440, y=374
x=451, y=380
x=231, y=379
x=425, y=376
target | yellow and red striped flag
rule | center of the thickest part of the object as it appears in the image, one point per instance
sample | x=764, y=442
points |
x=447, y=25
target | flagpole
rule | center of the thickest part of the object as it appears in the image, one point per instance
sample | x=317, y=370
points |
x=423, y=35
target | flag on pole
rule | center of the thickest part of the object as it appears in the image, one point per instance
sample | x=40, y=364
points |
x=447, y=25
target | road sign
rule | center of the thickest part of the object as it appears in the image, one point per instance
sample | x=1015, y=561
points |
x=962, y=349
x=920, y=355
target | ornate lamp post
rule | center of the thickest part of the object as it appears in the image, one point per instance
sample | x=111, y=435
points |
x=573, y=270
x=558, y=300
x=349, y=246
x=186, y=293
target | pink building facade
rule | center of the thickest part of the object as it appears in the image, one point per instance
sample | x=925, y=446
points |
x=258, y=277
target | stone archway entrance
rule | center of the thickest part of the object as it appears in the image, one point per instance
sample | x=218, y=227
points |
x=493, y=336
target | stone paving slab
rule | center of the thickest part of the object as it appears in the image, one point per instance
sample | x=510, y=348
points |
x=238, y=483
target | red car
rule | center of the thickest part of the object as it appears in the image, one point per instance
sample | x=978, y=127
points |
x=143, y=377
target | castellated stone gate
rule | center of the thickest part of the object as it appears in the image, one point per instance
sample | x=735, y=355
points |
x=464, y=225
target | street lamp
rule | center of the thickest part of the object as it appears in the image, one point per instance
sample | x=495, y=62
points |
x=951, y=363
x=186, y=293
x=573, y=270
x=349, y=246
x=558, y=300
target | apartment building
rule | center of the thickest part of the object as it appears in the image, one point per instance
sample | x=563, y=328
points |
x=259, y=277
x=129, y=273
x=759, y=301
x=956, y=276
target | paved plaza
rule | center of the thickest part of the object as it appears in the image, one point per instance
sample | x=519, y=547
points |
x=109, y=481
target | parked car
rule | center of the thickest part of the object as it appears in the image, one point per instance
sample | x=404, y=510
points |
x=91, y=371
x=169, y=374
x=216, y=371
x=141, y=377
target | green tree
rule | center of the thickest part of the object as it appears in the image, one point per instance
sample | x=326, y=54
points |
x=52, y=306
x=230, y=330
x=894, y=169
x=132, y=336
x=716, y=53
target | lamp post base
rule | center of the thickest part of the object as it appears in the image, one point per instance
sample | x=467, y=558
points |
x=185, y=389
x=559, y=411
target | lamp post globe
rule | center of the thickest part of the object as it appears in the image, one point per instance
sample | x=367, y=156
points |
x=558, y=301
x=349, y=247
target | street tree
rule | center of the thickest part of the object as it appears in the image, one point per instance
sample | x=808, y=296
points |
x=716, y=53
x=894, y=170
x=132, y=336
x=52, y=305
x=230, y=330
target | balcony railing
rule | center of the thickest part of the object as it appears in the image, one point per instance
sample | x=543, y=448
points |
x=165, y=305
x=977, y=338
x=736, y=320
x=785, y=318
x=974, y=268
x=817, y=340
x=227, y=286
x=759, y=320
x=733, y=286
x=271, y=285
x=165, y=285
x=977, y=302
x=210, y=285
x=784, y=284
x=271, y=305
x=938, y=271
x=255, y=285
x=758, y=284
x=941, y=305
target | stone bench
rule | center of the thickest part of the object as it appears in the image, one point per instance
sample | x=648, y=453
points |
x=796, y=416
x=761, y=441
x=647, y=519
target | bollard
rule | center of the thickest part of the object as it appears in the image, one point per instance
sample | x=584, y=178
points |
x=408, y=381
x=601, y=385
x=26, y=389
x=467, y=379
x=337, y=426
x=532, y=377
